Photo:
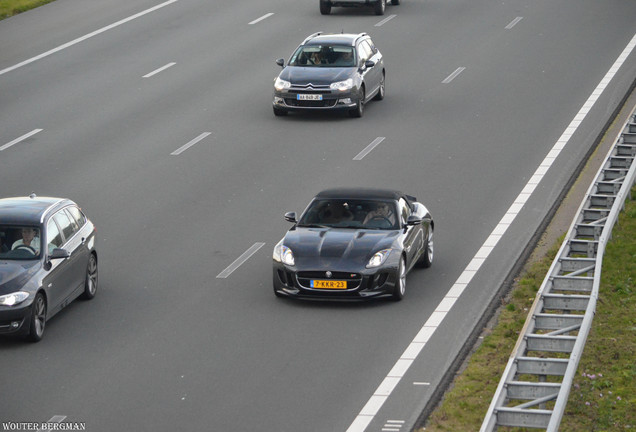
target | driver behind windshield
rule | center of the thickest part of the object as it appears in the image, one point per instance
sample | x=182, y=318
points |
x=30, y=238
x=381, y=212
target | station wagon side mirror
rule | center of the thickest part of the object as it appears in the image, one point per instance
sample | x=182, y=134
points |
x=413, y=220
x=290, y=217
x=56, y=254
x=280, y=62
x=59, y=253
x=369, y=64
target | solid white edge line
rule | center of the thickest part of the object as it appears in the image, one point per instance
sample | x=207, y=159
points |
x=22, y=138
x=261, y=18
x=88, y=36
x=184, y=147
x=161, y=69
x=240, y=260
x=385, y=20
x=372, y=407
x=453, y=75
x=368, y=148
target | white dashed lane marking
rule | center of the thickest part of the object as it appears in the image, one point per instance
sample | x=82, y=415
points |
x=261, y=18
x=513, y=23
x=368, y=148
x=240, y=260
x=453, y=75
x=184, y=147
x=385, y=20
x=161, y=69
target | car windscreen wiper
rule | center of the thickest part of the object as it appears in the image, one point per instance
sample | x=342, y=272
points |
x=311, y=226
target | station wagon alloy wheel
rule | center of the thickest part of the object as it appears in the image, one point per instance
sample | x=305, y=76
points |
x=38, y=318
x=91, y=278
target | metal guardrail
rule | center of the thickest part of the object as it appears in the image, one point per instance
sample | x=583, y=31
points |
x=535, y=385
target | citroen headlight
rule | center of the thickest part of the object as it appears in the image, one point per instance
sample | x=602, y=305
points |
x=283, y=254
x=13, y=298
x=281, y=85
x=342, y=85
x=379, y=258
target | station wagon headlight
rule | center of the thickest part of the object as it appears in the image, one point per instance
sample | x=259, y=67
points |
x=13, y=298
x=281, y=84
x=342, y=85
x=283, y=254
x=379, y=258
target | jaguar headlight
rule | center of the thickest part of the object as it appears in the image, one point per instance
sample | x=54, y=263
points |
x=378, y=258
x=283, y=254
x=281, y=84
x=342, y=85
x=13, y=298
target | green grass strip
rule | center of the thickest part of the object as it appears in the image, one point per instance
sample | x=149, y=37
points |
x=9, y=8
x=603, y=396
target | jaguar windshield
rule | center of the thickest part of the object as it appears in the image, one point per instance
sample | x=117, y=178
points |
x=355, y=214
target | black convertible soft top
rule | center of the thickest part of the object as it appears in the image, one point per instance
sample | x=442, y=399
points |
x=366, y=193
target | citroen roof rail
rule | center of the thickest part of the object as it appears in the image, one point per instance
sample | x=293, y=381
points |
x=310, y=37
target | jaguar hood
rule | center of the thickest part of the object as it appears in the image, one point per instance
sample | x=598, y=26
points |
x=334, y=245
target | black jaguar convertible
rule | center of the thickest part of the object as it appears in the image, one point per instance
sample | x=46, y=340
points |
x=353, y=244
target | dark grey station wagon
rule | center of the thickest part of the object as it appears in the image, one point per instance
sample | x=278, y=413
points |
x=47, y=260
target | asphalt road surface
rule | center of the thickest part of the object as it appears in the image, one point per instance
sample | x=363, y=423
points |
x=156, y=118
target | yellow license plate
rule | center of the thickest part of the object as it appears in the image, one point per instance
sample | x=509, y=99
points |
x=329, y=284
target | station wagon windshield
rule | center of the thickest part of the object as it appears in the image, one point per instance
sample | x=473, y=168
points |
x=323, y=56
x=19, y=242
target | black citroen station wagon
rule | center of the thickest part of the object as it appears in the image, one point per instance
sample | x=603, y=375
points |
x=47, y=259
x=331, y=71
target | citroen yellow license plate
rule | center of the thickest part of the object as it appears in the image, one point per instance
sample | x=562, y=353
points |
x=329, y=284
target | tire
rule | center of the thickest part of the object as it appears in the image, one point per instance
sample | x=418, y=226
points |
x=426, y=259
x=325, y=8
x=380, y=94
x=280, y=112
x=38, y=319
x=359, y=109
x=395, y=2
x=379, y=7
x=400, y=287
x=90, y=284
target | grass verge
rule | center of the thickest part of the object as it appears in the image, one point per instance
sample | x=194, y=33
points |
x=9, y=8
x=602, y=397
